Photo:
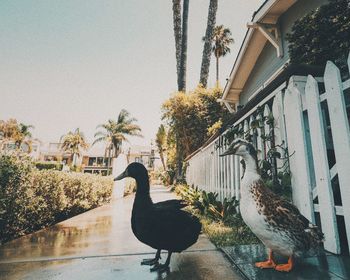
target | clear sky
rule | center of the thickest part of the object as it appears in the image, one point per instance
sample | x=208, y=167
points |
x=76, y=63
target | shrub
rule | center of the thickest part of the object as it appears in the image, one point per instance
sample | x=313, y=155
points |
x=31, y=199
x=322, y=35
x=220, y=220
x=130, y=186
x=208, y=205
x=48, y=165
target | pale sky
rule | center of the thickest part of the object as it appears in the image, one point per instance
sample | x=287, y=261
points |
x=76, y=63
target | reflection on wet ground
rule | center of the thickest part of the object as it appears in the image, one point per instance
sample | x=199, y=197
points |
x=100, y=244
x=326, y=266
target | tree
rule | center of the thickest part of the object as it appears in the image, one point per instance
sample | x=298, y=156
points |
x=221, y=41
x=322, y=35
x=161, y=140
x=177, y=35
x=73, y=143
x=116, y=132
x=183, y=61
x=213, y=6
x=19, y=133
x=190, y=118
x=180, y=34
x=25, y=135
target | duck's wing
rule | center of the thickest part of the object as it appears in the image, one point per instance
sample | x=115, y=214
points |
x=280, y=212
x=172, y=228
x=172, y=203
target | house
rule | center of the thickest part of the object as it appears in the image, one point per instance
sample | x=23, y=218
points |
x=95, y=161
x=52, y=152
x=32, y=148
x=310, y=127
x=143, y=154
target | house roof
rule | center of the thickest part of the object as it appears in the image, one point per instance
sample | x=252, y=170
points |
x=253, y=43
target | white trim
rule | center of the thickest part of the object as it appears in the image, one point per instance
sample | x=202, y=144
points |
x=256, y=92
x=267, y=98
x=276, y=73
x=264, y=10
x=275, y=39
x=238, y=62
x=269, y=80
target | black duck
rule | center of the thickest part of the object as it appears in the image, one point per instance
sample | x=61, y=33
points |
x=163, y=225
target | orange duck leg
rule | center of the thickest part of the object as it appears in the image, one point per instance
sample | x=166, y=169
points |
x=285, y=267
x=267, y=264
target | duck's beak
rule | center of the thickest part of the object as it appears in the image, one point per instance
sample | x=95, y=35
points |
x=121, y=176
x=229, y=151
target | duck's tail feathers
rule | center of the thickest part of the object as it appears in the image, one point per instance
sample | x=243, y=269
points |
x=316, y=239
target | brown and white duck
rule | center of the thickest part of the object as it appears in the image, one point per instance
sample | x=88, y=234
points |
x=275, y=221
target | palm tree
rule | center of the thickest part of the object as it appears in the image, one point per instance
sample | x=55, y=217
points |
x=73, y=143
x=213, y=6
x=11, y=131
x=25, y=136
x=183, y=61
x=177, y=34
x=161, y=139
x=180, y=34
x=116, y=132
x=221, y=41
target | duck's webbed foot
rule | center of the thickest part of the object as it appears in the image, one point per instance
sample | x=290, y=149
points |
x=153, y=261
x=267, y=264
x=286, y=267
x=162, y=267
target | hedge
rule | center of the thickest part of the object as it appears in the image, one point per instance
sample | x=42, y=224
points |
x=48, y=165
x=31, y=199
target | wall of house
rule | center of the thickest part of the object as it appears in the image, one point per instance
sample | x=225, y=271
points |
x=268, y=62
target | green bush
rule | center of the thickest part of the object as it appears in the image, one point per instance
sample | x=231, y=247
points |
x=322, y=35
x=48, y=165
x=220, y=220
x=31, y=199
x=208, y=205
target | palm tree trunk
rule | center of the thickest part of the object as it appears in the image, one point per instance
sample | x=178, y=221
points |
x=74, y=159
x=161, y=155
x=109, y=160
x=177, y=35
x=183, y=61
x=217, y=71
x=213, y=6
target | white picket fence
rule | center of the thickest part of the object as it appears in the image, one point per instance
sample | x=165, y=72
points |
x=314, y=125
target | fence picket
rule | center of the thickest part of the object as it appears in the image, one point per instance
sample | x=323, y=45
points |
x=341, y=135
x=260, y=141
x=302, y=195
x=323, y=180
x=279, y=127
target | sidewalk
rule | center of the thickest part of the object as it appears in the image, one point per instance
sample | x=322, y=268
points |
x=99, y=244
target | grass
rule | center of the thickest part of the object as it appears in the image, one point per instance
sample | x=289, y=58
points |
x=222, y=235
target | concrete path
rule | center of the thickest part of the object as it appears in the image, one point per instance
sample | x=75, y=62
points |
x=99, y=244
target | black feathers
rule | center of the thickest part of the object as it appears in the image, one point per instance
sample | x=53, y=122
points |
x=162, y=225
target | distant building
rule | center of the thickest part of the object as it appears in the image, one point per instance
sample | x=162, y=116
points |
x=145, y=155
x=33, y=149
x=95, y=161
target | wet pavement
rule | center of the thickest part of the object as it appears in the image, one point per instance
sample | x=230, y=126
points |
x=323, y=267
x=99, y=244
